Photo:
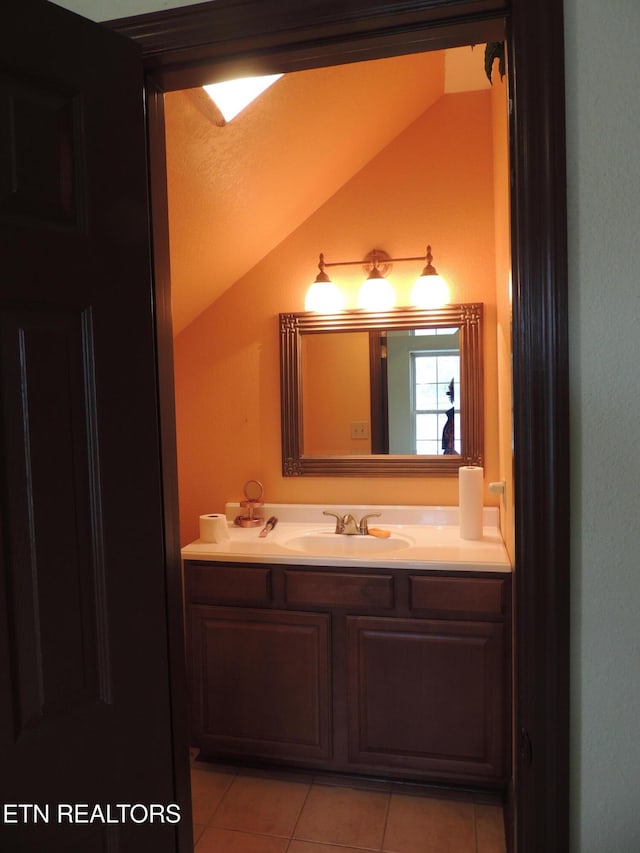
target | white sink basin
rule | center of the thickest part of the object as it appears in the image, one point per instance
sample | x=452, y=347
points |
x=329, y=544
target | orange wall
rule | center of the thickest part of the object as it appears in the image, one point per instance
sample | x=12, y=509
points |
x=432, y=184
x=334, y=403
x=503, y=306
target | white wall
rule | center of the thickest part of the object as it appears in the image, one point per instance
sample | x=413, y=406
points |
x=603, y=160
x=110, y=10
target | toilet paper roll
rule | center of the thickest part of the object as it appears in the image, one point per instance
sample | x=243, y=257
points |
x=470, y=488
x=214, y=528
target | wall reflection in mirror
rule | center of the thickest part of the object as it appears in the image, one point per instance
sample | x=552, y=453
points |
x=397, y=392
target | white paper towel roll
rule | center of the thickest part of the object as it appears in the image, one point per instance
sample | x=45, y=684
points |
x=470, y=488
x=214, y=528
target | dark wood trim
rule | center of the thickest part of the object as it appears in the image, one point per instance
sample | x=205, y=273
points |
x=181, y=49
x=166, y=393
x=186, y=47
x=541, y=422
x=164, y=33
x=379, y=415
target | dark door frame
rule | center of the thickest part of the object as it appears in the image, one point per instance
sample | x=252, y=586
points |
x=180, y=46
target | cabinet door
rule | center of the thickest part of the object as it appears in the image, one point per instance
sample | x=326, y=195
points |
x=427, y=696
x=260, y=682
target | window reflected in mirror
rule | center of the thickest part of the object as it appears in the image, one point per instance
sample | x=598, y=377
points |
x=422, y=384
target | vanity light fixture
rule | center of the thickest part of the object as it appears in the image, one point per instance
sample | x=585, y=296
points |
x=430, y=289
x=376, y=293
x=323, y=295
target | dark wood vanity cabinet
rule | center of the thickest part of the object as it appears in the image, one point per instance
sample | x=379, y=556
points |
x=385, y=672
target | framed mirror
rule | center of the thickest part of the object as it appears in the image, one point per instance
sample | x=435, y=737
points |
x=395, y=393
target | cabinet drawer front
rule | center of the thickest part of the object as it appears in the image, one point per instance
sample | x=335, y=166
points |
x=216, y=584
x=332, y=589
x=453, y=597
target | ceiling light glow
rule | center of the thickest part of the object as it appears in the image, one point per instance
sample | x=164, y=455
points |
x=232, y=96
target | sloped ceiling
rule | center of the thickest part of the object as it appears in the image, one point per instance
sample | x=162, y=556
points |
x=235, y=192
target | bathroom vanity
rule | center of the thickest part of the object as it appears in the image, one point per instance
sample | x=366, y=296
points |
x=379, y=663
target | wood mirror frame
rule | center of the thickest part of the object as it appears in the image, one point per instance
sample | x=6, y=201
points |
x=293, y=328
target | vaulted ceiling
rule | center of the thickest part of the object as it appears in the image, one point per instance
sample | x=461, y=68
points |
x=237, y=191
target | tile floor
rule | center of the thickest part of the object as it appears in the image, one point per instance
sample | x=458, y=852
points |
x=252, y=811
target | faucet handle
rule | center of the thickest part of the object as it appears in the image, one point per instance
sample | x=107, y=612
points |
x=338, y=518
x=364, y=527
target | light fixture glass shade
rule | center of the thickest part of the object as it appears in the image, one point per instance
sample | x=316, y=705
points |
x=430, y=291
x=232, y=96
x=376, y=294
x=324, y=297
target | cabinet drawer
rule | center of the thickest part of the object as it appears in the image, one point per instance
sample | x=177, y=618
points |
x=332, y=589
x=454, y=597
x=218, y=584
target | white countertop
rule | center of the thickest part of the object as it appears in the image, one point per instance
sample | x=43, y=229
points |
x=432, y=535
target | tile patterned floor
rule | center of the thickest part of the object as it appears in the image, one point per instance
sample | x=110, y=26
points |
x=244, y=811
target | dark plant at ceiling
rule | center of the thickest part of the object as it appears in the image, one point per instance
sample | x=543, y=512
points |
x=494, y=50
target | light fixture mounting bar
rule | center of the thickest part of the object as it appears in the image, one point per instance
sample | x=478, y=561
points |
x=386, y=260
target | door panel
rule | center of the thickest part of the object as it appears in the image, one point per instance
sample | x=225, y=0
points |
x=56, y=565
x=42, y=176
x=274, y=660
x=428, y=695
x=85, y=708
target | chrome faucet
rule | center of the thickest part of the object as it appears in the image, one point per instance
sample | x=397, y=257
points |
x=348, y=525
